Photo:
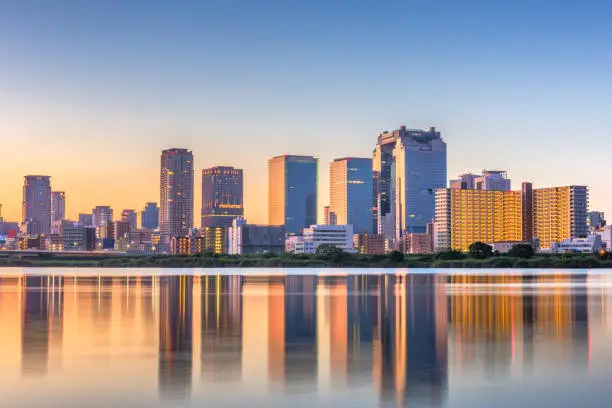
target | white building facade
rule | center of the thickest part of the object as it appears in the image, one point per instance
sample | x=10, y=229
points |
x=340, y=236
x=588, y=245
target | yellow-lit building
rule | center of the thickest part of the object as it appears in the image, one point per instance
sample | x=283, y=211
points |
x=559, y=213
x=182, y=245
x=212, y=239
x=467, y=216
x=550, y=214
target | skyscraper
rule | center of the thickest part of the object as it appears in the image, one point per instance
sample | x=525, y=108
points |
x=222, y=196
x=37, y=204
x=101, y=216
x=149, y=217
x=58, y=206
x=292, y=192
x=350, y=193
x=408, y=165
x=130, y=216
x=58, y=210
x=176, y=192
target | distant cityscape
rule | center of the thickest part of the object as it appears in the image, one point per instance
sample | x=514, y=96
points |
x=400, y=199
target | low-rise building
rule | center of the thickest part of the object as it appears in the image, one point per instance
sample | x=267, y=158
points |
x=606, y=237
x=212, y=240
x=370, y=244
x=245, y=239
x=76, y=237
x=590, y=244
x=340, y=236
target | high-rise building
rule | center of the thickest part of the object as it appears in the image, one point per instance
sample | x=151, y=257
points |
x=409, y=165
x=222, y=196
x=527, y=211
x=176, y=192
x=121, y=229
x=467, y=216
x=596, y=221
x=130, y=216
x=560, y=213
x=465, y=181
x=58, y=206
x=292, y=192
x=101, y=216
x=86, y=220
x=488, y=180
x=149, y=217
x=350, y=193
x=37, y=204
x=58, y=210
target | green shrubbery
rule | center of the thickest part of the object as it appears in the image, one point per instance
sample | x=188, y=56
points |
x=480, y=256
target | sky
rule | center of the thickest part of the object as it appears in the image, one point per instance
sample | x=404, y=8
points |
x=92, y=91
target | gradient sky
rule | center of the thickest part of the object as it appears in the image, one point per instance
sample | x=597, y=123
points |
x=92, y=91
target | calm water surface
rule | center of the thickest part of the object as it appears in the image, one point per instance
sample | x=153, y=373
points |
x=304, y=338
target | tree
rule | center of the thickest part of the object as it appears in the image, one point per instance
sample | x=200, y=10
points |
x=450, y=255
x=396, y=257
x=480, y=250
x=330, y=253
x=521, y=251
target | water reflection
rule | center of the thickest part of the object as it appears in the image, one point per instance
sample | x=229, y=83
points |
x=392, y=340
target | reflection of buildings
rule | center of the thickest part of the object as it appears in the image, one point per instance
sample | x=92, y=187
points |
x=175, y=336
x=497, y=322
x=217, y=302
x=300, y=332
x=410, y=348
x=263, y=331
x=332, y=331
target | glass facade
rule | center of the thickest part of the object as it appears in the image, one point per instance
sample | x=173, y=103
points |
x=222, y=196
x=37, y=204
x=176, y=192
x=351, y=188
x=292, y=200
x=149, y=217
x=409, y=165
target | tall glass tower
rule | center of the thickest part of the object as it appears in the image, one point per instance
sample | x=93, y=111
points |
x=292, y=192
x=350, y=193
x=176, y=192
x=37, y=204
x=409, y=165
x=222, y=196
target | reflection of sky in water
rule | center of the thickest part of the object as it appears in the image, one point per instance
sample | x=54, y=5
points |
x=342, y=340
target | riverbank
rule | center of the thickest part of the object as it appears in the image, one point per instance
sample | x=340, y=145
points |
x=311, y=261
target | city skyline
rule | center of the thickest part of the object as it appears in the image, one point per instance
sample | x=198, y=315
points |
x=123, y=89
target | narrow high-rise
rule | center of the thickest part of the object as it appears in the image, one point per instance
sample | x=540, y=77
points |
x=131, y=217
x=176, y=192
x=292, y=192
x=58, y=210
x=149, y=217
x=37, y=204
x=222, y=196
x=101, y=215
x=409, y=165
x=350, y=193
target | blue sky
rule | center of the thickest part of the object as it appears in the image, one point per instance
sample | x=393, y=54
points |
x=91, y=91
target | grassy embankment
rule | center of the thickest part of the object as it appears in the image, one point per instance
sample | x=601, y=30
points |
x=442, y=260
